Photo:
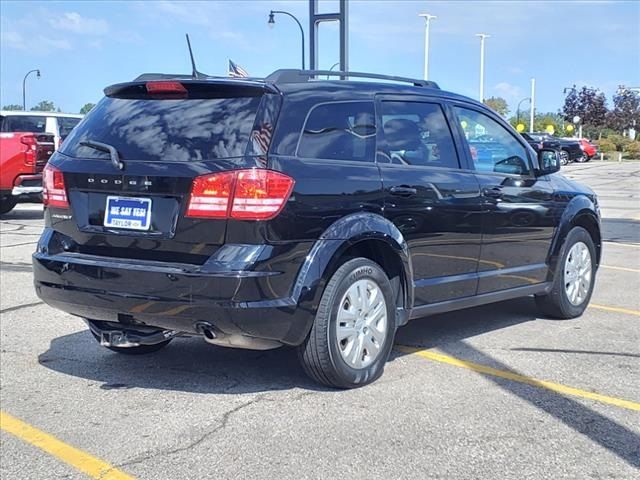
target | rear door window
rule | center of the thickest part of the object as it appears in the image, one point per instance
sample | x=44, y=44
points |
x=416, y=134
x=24, y=123
x=178, y=130
x=339, y=131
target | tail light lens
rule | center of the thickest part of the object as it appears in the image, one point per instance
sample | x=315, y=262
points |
x=31, y=145
x=254, y=194
x=210, y=195
x=54, y=193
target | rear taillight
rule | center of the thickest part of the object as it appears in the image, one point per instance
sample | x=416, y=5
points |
x=254, y=194
x=31, y=145
x=54, y=193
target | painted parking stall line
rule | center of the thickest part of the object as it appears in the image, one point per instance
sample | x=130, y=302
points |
x=516, y=377
x=83, y=461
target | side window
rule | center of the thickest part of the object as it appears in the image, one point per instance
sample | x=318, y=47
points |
x=493, y=148
x=24, y=123
x=339, y=131
x=416, y=133
x=66, y=124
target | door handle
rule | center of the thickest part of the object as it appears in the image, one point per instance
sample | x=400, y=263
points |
x=403, y=191
x=495, y=192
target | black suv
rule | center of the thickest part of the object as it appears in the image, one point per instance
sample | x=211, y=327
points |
x=303, y=212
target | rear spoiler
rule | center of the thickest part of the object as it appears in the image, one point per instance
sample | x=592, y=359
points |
x=187, y=80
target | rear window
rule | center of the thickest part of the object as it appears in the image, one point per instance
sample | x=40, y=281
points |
x=24, y=123
x=184, y=130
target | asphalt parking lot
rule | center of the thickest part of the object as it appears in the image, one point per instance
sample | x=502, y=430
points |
x=490, y=392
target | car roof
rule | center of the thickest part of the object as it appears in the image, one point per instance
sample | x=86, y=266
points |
x=291, y=81
x=6, y=113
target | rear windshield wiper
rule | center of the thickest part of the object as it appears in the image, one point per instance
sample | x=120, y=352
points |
x=106, y=148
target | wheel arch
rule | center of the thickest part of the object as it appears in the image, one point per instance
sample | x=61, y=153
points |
x=365, y=235
x=580, y=212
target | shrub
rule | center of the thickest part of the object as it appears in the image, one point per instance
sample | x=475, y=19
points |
x=606, y=145
x=619, y=141
x=632, y=149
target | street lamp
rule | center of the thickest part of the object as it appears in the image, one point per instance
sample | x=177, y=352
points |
x=518, y=109
x=482, y=36
x=24, y=81
x=272, y=22
x=332, y=67
x=427, y=21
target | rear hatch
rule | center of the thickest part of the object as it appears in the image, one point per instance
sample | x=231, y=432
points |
x=164, y=134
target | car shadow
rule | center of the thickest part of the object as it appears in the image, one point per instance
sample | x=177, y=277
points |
x=23, y=214
x=191, y=365
x=625, y=230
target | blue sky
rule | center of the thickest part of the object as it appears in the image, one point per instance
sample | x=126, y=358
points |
x=83, y=46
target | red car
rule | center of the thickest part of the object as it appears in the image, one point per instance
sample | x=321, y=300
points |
x=23, y=155
x=588, y=148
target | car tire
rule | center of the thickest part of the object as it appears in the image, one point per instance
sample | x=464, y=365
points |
x=348, y=325
x=564, y=158
x=7, y=204
x=574, y=277
x=139, y=350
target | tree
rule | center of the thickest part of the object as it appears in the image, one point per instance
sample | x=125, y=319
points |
x=12, y=107
x=86, y=108
x=498, y=104
x=590, y=104
x=626, y=110
x=44, y=106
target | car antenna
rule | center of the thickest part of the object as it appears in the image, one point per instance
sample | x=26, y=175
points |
x=194, y=71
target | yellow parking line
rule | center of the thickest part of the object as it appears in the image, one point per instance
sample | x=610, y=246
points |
x=615, y=309
x=623, y=269
x=86, y=463
x=516, y=377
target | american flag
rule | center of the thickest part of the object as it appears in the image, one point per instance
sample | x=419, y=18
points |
x=236, y=70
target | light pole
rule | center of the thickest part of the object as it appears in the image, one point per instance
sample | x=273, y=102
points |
x=518, y=109
x=427, y=21
x=482, y=36
x=532, y=113
x=24, y=82
x=332, y=67
x=272, y=23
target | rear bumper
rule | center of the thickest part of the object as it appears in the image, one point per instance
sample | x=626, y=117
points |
x=169, y=296
x=27, y=185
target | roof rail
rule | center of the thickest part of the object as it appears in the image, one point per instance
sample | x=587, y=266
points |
x=302, y=76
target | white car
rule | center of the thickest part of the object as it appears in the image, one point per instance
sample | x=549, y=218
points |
x=60, y=124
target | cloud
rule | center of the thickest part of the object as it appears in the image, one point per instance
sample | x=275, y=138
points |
x=75, y=23
x=12, y=40
x=508, y=91
x=36, y=43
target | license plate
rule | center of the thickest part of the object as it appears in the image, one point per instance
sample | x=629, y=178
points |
x=128, y=212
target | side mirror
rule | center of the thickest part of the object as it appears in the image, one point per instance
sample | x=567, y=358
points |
x=549, y=161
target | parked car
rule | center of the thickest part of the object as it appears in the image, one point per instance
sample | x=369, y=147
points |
x=570, y=146
x=23, y=155
x=59, y=124
x=590, y=150
x=316, y=214
x=542, y=143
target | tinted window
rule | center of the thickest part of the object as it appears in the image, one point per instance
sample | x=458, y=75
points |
x=416, y=133
x=167, y=130
x=493, y=148
x=66, y=124
x=339, y=131
x=24, y=123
